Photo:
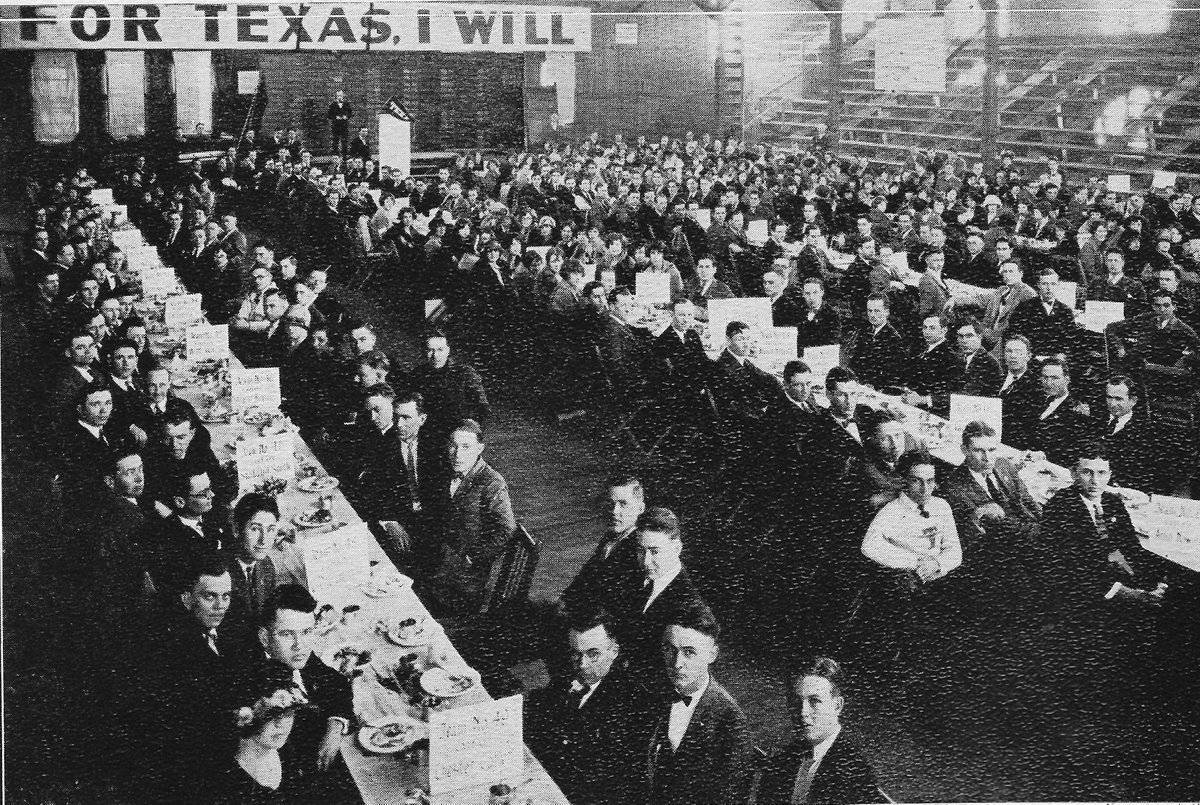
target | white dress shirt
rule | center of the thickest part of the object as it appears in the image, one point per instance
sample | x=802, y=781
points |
x=900, y=536
x=1119, y=425
x=661, y=584
x=681, y=717
x=1053, y=406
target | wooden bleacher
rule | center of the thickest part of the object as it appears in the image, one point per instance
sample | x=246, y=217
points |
x=1099, y=107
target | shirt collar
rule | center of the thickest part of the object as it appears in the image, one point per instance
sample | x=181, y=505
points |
x=1124, y=420
x=663, y=582
x=697, y=696
x=92, y=429
x=821, y=749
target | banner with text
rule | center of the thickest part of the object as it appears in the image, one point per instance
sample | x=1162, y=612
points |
x=434, y=26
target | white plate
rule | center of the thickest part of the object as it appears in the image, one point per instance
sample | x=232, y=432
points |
x=429, y=629
x=330, y=657
x=439, y=682
x=409, y=733
x=394, y=585
x=304, y=520
x=323, y=483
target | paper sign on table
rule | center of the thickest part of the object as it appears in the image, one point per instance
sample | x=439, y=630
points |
x=473, y=746
x=704, y=217
x=1098, y=315
x=1066, y=292
x=1118, y=182
x=183, y=310
x=254, y=388
x=337, y=564
x=653, y=287
x=776, y=347
x=208, y=342
x=821, y=359
x=139, y=258
x=756, y=231
x=265, y=458
x=899, y=262
x=127, y=239
x=101, y=195
x=755, y=311
x=1163, y=179
x=965, y=408
x=1169, y=524
x=158, y=281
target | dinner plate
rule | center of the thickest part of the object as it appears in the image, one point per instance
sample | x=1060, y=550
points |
x=322, y=483
x=392, y=586
x=305, y=519
x=390, y=737
x=441, y=683
x=421, y=635
x=331, y=620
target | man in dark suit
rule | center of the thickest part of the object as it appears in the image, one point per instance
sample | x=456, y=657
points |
x=587, y=730
x=743, y=391
x=73, y=375
x=339, y=115
x=934, y=372
x=879, y=348
x=476, y=528
x=643, y=602
x=1046, y=322
x=699, y=748
x=997, y=520
x=255, y=526
x=176, y=447
x=1140, y=454
x=1063, y=423
x=704, y=286
x=193, y=666
x=128, y=392
x=452, y=391
x=615, y=559
x=1020, y=390
x=785, y=307
x=86, y=442
x=685, y=368
x=1102, y=584
x=982, y=375
x=818, y=324
x=359, y=146
x=174, y=543
x=821, y=766
x=285, y=631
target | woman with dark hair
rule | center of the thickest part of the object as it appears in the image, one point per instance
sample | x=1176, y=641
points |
x=258, y=773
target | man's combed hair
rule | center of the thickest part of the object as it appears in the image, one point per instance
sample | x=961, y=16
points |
x=826, y=668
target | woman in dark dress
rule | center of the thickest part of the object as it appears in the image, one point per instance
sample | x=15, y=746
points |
x=258, y=775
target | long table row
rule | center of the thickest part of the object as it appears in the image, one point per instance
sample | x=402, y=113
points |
x=364, y=621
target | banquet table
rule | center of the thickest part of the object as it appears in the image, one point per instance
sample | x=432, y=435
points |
x=382, y=779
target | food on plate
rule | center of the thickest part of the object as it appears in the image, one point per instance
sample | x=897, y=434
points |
x=326, y=617
x=389, y=736
x=349, y=659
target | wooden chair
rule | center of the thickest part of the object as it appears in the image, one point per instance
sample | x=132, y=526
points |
x=512, y=574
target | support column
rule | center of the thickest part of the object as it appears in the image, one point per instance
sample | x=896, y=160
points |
x=990, y=125
x=836, y=44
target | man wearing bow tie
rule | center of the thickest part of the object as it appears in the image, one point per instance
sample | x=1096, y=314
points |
x=699, y=748
x=587, y=729
x=476, y=528
x=823, y=766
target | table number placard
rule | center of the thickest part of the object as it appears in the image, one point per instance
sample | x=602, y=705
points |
x=254, y=388
x=265, y=458
x=478, y=745
x=208, y=342
x=183, y=310
x=653, y=287
x=965, y=408
x=158, y=282
x=337, y=564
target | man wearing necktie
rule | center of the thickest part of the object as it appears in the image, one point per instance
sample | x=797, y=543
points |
x=997, y=519
x=615, y=558
x=1129, y=435
x=286, y=632
x=699, y=750
x=588, y=729
x=476, y=528
x=822, y=766
x=190, y=673
x=255, y=525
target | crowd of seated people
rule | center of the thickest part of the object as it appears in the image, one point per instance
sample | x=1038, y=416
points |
x=856, y=539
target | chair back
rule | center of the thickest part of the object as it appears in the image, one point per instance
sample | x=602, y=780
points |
x=512, y=576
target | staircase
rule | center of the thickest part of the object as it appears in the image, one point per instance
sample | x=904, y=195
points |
x=1113, y=107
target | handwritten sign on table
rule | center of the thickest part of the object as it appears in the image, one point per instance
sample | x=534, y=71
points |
x=158, y=282
x=1118, y=182
x=208, y=342
x=1098, y=315
x=336, y=564
x=263, y=459
x=1163, y=179
x=183, y=310
x=101, y=195
x=476, y=746
x=140, y=258
x=755, y=311
x=776, y=347
x=126, y=239
x=1170, y=527
x=821, y=359
x=653, y=287
x=254, y=388
x=965, y=408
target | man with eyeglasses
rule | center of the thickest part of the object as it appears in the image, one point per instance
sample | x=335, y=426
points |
x=287, y=632
x=174, y=542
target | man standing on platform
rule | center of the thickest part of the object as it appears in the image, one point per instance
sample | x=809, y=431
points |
x=699, y=750
x=339, y=116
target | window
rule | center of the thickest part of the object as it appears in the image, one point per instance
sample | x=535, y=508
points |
x=125, y=79
x=55, y=88
x=194, y=91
